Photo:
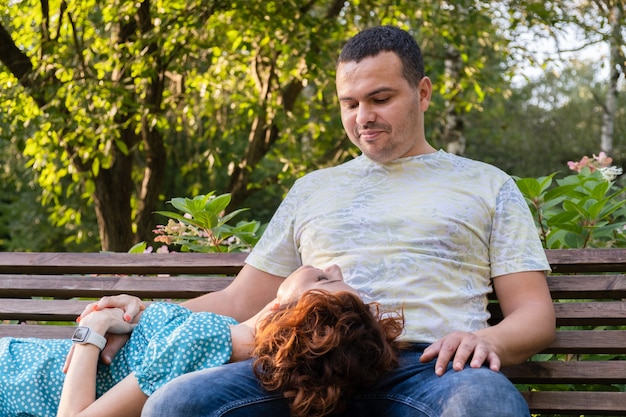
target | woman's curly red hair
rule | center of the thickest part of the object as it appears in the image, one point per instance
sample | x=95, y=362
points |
x=322, y=348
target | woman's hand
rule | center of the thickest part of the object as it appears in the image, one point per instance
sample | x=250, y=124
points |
x=131, y=306
x=108, y=320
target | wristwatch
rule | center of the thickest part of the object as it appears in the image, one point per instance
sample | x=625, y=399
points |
x=84, y=335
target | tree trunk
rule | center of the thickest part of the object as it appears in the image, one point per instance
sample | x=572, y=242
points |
x=112, y=196
x=610, y=104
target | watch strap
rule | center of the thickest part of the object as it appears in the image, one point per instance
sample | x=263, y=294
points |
x=83, y=335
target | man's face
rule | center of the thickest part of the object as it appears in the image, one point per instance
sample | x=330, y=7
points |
x=381, y=112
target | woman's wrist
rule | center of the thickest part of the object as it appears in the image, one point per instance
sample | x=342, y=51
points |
x=98, y=323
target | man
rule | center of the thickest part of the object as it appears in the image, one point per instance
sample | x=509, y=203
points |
x=412, y=228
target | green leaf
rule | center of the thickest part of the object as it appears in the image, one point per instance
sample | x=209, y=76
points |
x=218, y=204
x=138, y=248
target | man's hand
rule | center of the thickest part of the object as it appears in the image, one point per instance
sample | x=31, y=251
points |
x=461, y=348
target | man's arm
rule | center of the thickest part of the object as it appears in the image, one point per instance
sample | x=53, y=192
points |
x=528, y=326
x=249, y=292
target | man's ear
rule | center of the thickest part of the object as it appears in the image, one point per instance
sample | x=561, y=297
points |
x=425, y=91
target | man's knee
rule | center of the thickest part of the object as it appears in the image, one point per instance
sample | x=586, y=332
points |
x=483, y=393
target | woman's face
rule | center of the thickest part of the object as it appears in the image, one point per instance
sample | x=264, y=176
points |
x=307, y=277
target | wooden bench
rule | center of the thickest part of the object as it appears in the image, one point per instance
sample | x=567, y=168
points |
x=588, y=288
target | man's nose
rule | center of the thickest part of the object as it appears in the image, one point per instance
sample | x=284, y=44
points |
x=365, y=115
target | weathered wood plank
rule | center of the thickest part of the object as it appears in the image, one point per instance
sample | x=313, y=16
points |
x=577, y=403
x=96, y=286
x=574, y=372
x=120, y=263
x=589, y=342
x=587, y=260
x=36, y=330
x=611, y=313
x=609, y=286
x=580, y=313
x=41, y=310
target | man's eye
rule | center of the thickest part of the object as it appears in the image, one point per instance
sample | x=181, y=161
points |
x=381, y=100
x=322, y=278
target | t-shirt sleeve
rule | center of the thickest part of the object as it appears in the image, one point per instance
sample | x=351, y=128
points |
x=277, y=251
x=190, y=342
x=515, y=245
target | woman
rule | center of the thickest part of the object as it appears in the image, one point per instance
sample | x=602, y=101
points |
x=323, y=347
x=170, y=340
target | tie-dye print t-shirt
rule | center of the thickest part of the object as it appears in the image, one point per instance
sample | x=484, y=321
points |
x=425, y=234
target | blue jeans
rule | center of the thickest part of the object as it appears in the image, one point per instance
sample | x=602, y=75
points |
x=411, y=390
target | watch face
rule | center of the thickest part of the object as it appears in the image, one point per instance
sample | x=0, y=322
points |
x=80, y=334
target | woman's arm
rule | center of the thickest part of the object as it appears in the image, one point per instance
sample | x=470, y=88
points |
x=242, y=299
x=78, y=397
x=242, y=334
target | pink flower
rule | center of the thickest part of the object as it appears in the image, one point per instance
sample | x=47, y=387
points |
x=603, y=159
x=600, y=162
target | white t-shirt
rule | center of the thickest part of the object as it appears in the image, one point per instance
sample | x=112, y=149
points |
x=424, y=234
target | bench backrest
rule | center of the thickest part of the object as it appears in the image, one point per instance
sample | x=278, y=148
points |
x=588, y=288
x=55, y=287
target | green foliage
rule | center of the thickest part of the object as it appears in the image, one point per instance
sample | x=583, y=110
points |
x=581, y=210
x=201, y=226
x=239, y=95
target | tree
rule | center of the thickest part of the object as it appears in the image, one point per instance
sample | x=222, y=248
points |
x=140, y=102
x=543, y=124
x=99, y=102
x=572, y=26
x=617, y=68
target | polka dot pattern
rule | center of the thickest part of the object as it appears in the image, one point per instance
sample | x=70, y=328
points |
x=168, y=341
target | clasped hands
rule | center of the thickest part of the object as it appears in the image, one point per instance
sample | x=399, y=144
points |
x=120, y=313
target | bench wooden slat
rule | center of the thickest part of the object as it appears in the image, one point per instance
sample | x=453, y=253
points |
x=574, y=372
x=36, y=330
x=589, y=341
x=587, y=260
x=120, y=263
x=96, y=286
x=605, y=313
x=612, y=313
x=576, y=403
x=41, y=310
x=588, y=286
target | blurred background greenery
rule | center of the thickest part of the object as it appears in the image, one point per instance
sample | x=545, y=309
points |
x=108, y=111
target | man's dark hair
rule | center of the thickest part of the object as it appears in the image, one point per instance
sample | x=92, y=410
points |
x=370, y=42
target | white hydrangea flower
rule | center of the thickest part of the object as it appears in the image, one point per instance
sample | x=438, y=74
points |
x=610, y=173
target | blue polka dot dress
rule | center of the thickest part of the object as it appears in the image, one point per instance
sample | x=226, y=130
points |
x=169, y=341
